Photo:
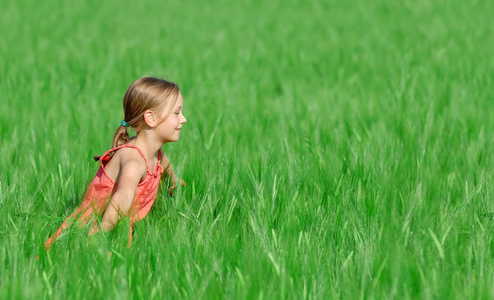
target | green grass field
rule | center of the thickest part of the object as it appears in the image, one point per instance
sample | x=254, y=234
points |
x=333, y=149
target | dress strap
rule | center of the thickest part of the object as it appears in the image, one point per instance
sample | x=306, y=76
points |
x=130, y=146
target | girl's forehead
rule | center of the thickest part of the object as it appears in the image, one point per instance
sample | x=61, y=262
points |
x=180, y=100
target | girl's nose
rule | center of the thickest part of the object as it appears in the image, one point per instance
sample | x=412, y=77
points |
x=184, y=119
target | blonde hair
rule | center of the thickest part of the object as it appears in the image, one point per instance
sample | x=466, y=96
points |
x=145, y=93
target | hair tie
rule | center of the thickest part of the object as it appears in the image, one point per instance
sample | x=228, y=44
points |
x=124, y=124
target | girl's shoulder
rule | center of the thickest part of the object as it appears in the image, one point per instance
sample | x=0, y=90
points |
x=127, y=154
x=131, y=158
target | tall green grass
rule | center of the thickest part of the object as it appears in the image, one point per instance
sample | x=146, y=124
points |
x=332, y=150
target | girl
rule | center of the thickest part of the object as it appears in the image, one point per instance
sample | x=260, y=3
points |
x=129, y=174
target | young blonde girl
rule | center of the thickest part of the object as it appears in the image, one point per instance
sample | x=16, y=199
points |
x=127, y=181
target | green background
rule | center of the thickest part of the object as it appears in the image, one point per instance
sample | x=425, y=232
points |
x=333, y=149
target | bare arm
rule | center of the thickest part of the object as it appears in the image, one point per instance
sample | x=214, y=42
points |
x=130, y=174
x=167, y=166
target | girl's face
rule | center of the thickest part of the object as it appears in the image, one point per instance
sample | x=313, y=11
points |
x=169, y=130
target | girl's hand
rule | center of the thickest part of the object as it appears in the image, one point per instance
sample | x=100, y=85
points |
x=167, y=166
x=94, y=228
x=174, y=184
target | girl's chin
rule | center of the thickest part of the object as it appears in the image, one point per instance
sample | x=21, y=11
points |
x=173, y=139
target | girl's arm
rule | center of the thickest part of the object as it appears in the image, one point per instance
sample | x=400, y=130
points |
x=167, y=166
x=131, y=172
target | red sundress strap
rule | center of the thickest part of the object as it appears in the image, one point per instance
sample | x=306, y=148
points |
x=130, y=146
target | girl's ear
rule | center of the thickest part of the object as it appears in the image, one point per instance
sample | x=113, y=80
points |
x=150, y=118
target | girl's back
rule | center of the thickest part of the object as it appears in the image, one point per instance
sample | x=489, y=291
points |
x=103, y=187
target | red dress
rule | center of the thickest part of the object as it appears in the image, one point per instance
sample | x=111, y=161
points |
x=102, y=188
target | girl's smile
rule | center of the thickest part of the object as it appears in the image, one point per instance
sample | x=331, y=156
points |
x=170, y=129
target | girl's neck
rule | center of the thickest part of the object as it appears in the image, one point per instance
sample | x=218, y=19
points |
x=147, y=145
